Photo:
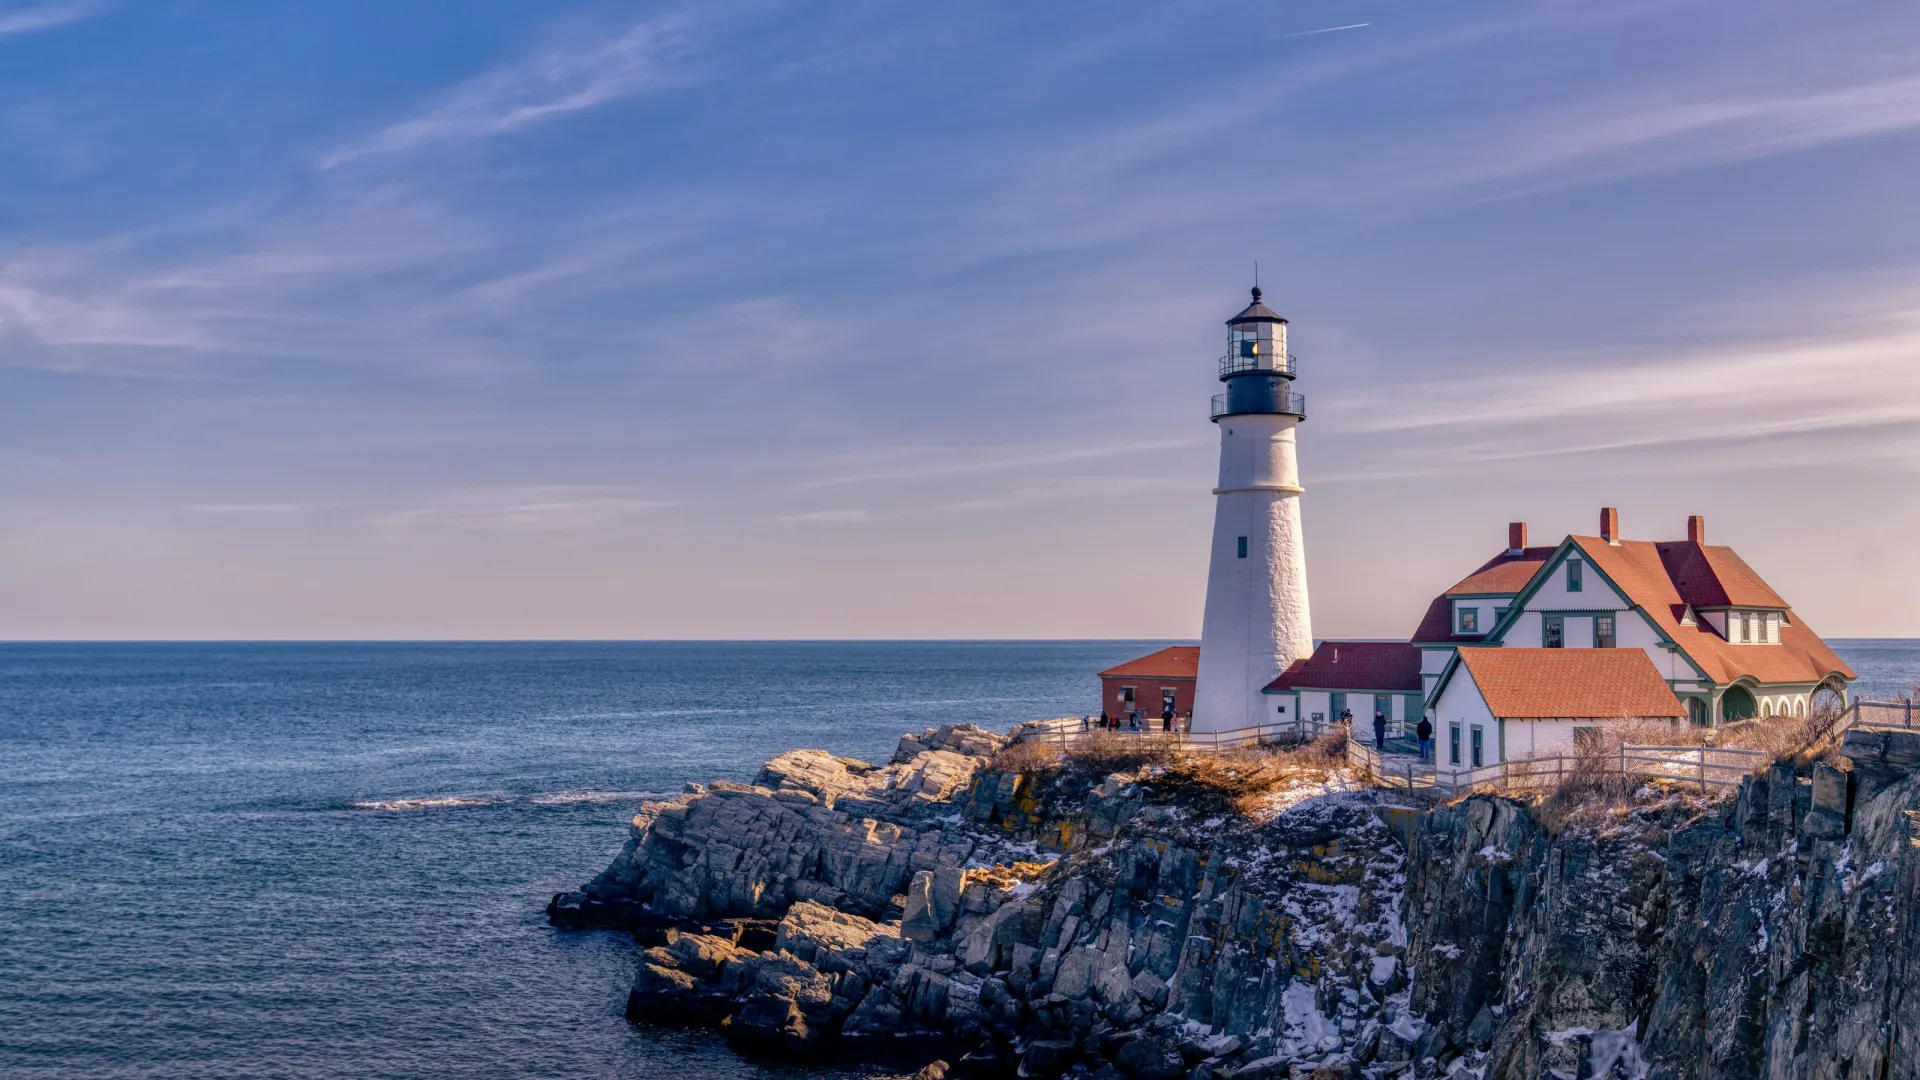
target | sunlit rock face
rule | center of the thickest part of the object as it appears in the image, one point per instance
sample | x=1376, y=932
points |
x=1120, y=925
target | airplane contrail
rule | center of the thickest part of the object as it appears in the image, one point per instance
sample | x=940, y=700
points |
x=1328, y=30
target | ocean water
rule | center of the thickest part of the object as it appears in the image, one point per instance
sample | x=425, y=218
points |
x=243, y=861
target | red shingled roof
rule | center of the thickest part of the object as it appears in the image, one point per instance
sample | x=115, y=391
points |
x=1639, y=569
x=1178, y=662
x=1504, y=574
x=1577, y=684
x=1710, y=577
x=1286, y=680
x=1355, y=665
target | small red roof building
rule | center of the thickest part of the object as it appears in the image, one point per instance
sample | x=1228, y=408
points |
x=1152, y=684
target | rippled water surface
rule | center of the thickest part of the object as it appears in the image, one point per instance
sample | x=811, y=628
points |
x=330, y=860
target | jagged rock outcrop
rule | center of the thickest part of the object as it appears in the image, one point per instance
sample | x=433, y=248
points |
x=1771, y=935
x=917, y=915
x=1120, y=926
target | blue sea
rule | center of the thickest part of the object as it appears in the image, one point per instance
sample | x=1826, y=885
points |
x=284, y=860
x=310, y=860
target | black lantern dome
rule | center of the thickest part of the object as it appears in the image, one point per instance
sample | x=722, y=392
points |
x=1257, y=369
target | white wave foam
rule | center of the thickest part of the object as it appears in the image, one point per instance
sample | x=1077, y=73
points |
x=422, y=804
x=562, y=798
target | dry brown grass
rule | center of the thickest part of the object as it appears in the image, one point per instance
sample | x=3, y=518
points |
x=1030, y=758
x=1241, y=780
x=1103, y=752
x=1591, y=787
x=1793, y=740
x=1329, y=750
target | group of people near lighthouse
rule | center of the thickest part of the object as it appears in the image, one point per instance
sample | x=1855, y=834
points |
x=1423, y=731
x=1171, y=722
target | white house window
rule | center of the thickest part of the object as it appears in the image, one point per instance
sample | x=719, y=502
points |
x=1469, y=620
x=1479, y=754
x=1243, y=547
x=1573, y=575
x=1603, y=631
x=1453, y=744
x=1553, y=631
x=1500, y=613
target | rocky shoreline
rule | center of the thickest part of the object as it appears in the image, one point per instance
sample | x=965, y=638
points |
x=936, y=911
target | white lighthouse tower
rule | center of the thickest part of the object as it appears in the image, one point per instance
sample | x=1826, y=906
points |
x=1256, y=622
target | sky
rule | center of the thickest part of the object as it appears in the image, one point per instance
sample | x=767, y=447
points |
x=878, y=320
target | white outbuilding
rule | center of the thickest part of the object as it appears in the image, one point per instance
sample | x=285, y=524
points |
x=1497, y=705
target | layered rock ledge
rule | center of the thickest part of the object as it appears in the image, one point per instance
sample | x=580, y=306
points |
x=1063, y=921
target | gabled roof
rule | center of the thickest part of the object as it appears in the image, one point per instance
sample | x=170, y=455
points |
x=1506, y=573
x=1382, y=666
x=1574, y=684
x=1503, y=575
x=1639, y=569
x=1177, y=662
x=1711, y=577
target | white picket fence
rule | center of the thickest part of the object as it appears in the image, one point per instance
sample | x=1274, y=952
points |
x=1705, y=766
x=1069, y=730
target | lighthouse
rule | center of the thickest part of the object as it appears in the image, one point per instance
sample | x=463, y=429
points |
x=1256, y=621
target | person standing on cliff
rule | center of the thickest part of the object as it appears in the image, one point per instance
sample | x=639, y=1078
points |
x=1379, y=730
x=1425, y=731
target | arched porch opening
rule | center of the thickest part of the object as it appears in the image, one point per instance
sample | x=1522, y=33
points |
x=1698, y=711
x=1736, y=704
x=1829, y=698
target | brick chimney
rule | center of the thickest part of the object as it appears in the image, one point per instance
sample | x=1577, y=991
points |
x=1610, y=524
x=1697, y=529
x=1516, y=537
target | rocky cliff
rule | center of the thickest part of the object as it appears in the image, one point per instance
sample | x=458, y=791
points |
x=1118, y=924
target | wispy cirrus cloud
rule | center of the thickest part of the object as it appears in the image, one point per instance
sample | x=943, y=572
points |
x=1681, y=127
x=541, y=508
x=38, y=17
x=998, y=463
x=557, y=81
x=1850, y=395
x=255, y=508
x=841, y=516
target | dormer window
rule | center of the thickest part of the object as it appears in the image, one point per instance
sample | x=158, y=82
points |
x=1469, y=619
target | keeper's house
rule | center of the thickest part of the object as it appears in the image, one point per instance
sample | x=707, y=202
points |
x=1496, y=705
x=1728, y=647
x=1151, y=683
